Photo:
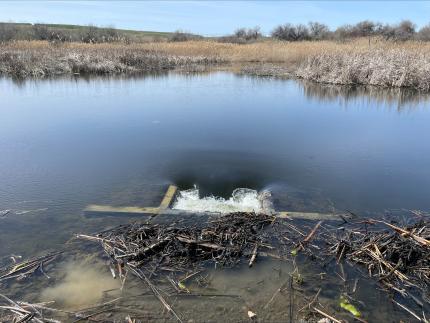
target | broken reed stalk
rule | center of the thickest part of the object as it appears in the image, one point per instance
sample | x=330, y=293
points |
x=154, y=289
x=326, y=315
x=24, y=312
x=406, y=233
x=254, y=255
x=302, y=243
x=28, y=267
x=312, y=233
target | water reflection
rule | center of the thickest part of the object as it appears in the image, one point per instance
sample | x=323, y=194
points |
x=401, y=99
x=186, y=72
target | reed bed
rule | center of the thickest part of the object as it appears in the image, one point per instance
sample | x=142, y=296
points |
x=40, y=59
x=392, y=68
x=360, y=61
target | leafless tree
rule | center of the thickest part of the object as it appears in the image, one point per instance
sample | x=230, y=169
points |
x=424, y=33
x=405, y=30
x=248, y=33
x=291, y=32
x=318, y=31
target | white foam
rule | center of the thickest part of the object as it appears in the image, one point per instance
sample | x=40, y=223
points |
x=242, y=200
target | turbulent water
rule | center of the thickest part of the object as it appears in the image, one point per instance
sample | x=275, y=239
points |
x=242, y=200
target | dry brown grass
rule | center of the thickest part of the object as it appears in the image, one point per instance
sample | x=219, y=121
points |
x=280, y=52
x=385, y=63
x=387, y=68
x=40, y=59
x=380, y=63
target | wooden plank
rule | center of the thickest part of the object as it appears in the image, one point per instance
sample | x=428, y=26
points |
x=99, y=210
x=168, y=197
x=94, y=208
x=308, y=216
x=135, y=210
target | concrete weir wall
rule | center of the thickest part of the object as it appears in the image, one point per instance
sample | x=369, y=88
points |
x=94, y=210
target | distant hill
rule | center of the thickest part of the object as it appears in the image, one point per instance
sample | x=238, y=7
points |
x=26, y=31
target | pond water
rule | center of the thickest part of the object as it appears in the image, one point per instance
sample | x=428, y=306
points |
x=67, y=143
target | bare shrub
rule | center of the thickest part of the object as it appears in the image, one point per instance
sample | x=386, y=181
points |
x=405, y=30
x=110, y=34
x=40, y=32
x=291, y=32
x=242, y=36
x=364, y=28
x=343, y=32
x=58, y=36
x=179, y=36
x=90, y=35
x=248, y=33
x=387, y=32
x=7, y=32
x=424, y=33
x=318, y=31
x=53, y=35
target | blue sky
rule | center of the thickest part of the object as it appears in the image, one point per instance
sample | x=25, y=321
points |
x=211, y=17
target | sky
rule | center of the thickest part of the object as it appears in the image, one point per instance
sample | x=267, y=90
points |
x=211, y=18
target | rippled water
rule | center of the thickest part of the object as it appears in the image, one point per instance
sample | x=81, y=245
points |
x=66, y=143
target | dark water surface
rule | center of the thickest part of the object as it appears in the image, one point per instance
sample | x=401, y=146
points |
x=66, y=143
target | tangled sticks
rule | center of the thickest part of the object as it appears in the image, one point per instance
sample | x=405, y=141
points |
x=399, y=258
x=223, y=240
x=145, y=249
x=174, y=247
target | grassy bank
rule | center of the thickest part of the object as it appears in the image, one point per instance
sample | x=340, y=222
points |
x=41, y=59
x=392, y=68
x=378, y=62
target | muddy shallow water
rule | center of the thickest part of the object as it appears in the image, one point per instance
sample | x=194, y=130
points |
x=66, y=143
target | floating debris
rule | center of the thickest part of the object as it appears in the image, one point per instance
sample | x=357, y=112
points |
x=346, y=305
x=177, y=248
x=3, y=213
x=21, y=212
x=28, y=267
x=145, y=249
x=399, y=258
x=12, y=311
x=251, y=314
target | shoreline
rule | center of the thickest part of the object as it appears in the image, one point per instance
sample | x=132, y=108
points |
x=386, y=64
